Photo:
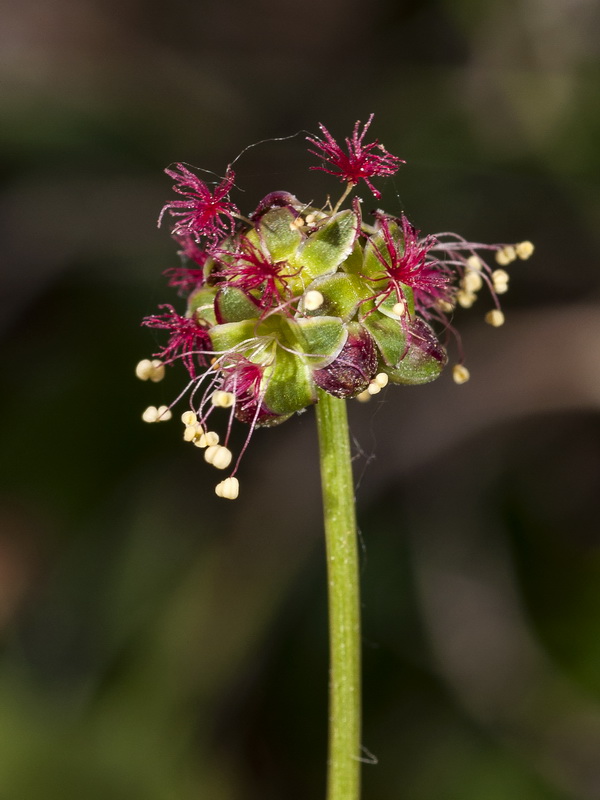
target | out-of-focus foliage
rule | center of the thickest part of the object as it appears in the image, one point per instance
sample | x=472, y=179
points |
x=160, y=644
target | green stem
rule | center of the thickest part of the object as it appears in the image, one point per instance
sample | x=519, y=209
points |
x=343, y=780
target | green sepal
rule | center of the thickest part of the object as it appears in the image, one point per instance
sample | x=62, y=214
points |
x=354, y=263
x=424, y=359
x=201, y=305
x=279, y=234
x=227, y=250
x=234, y=305
x=289, y=384
x=375, y=250
x=322, y=339
x=342, y=294
x=327, y=248
x=230, y=335
x=389, y=335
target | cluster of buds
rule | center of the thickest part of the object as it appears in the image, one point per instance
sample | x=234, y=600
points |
x=296, y=298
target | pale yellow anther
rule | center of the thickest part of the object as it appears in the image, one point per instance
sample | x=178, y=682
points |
x=460, y=374
x=363, y=397
x=381, y=379
x=506, y=255
x=399, y=308
x=500, y=280
x=465, y=299
x=150, y=414
x=147, y=370
x=297, y=223
x=191, y=432
x=164, y=414
x=222, y=458
x=219, y=456
x=524, y=250
x=189, y=418
x=500, y=275
x=472, y=281
x=229, y=488
x=160, y=414
x=157, y=370
x=142, y=369
x=495, y=318
x=208, y=439
x=373, y=388
x=445, y=306
x=210, y=453
x=474, y=262
x=223, y=399
x=313, y=300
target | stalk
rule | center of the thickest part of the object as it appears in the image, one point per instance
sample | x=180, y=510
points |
x=343, y=779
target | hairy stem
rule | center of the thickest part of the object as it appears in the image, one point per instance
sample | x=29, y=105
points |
x=343, y=780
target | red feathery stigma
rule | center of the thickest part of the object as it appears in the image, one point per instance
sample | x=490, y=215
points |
x=185, y=278
x=360, y=162
x=203, y=213
x=188, y=340
x=243, y=378
x=405, y=261
x=252, y=270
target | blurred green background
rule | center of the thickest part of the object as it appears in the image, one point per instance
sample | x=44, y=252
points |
x=160, y=644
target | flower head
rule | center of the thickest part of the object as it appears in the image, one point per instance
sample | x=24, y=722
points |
x=296, y=299
x=359, y=162
x=202, y=213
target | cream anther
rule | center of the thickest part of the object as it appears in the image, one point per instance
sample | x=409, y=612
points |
x=229, y=488
x=506, y=255
x=160, y=414
x=500, y=280
x=150, y=414
x=223, y=399
x=373, y=388
x=445, y=306
x=150, y=370
x=465, y=299
x=208, y=439
x=399, y=308
x=193, y=432
x=474, y=263
x=381, y=379
x=460, y=374
x=219, y=456
x=189, y=418
x=524, y=250
x=363, y=397
x=313, y=300
x=495, y=318
x=500, y=275
x=472, y=281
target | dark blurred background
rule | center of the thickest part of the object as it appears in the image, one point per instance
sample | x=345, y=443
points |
x=161, y=644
